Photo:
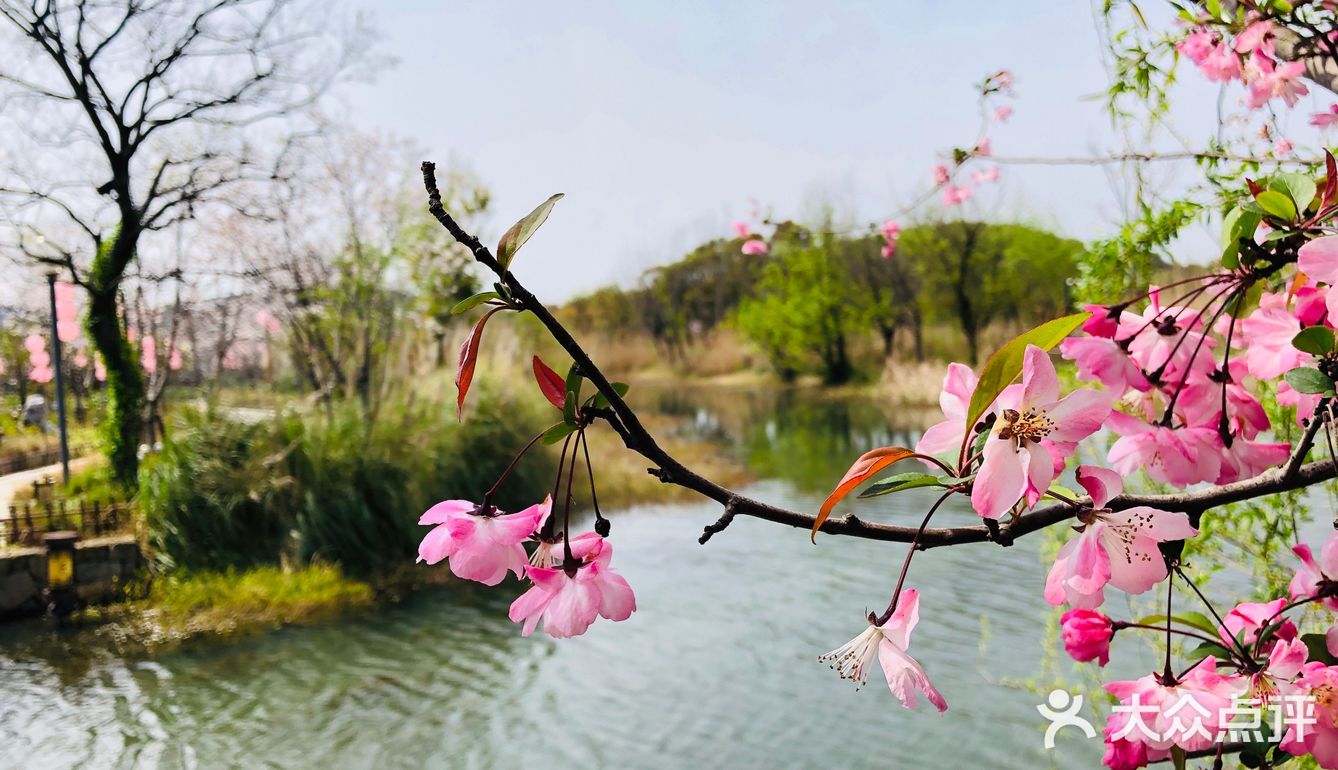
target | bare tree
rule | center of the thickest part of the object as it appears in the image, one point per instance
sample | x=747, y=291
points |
x=138, y=113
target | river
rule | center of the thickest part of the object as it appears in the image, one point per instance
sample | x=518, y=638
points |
x=717, y=668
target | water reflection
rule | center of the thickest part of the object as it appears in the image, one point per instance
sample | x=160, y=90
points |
x=716, y=669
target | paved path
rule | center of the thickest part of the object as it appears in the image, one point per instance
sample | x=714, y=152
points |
x=17, y=481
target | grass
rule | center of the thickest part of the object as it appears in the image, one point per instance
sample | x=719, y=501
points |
x=196, y=606
x=222, y=602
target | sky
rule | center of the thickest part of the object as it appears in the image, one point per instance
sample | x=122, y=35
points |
x=664, y=122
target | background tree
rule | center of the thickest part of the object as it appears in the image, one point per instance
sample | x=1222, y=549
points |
x=136, y=117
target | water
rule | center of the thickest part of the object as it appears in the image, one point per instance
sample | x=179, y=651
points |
x=716, y=669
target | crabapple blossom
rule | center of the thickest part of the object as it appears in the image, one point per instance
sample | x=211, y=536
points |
x=1035, y=431
x=754, y=247
x=1315, y=579
x=1002, y=113
x=1160, y=714
x=889, y=643
x=1116, y=547
x=1320, y=738
x=1087, y=635
x=569, y=601
x=1283, y=148
x=1326, y=118
x=1250, y=618
x=481, y=543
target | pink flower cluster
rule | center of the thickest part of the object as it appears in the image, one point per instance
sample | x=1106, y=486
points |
x=1191, y=711
x=483, y=544
x=1249, y=57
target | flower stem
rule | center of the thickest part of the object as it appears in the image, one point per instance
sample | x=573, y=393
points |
x=512, y=466
x=910, y=553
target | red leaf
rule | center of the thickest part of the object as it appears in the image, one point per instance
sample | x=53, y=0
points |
x=551, y=383
x=1330, y=180
x=469, y=354
x=1255, y=187
x=865, y=467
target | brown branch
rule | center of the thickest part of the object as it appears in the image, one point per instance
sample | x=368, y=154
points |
x=668, y=469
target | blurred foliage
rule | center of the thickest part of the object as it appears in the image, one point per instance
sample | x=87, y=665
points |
x=330, y=485
x=807, y=302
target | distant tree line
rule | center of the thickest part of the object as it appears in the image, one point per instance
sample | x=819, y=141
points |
x=816, y=292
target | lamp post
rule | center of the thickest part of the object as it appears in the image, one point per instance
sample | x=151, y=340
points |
x=60, y=381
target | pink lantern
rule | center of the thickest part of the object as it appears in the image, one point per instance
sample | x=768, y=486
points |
x=34, y=343
x=80, y=360
x=148, y=355
x=40, y=360
x=67, y=331
x=174, y=360
x=41, y=375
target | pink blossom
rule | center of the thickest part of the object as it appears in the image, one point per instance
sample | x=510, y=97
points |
x=986, y=176
x=482, y=545
x=954, y=195
x=954, y=399
x=741, y=229
x=1164, y=714
x=1325, y=119
x=754, y=247
x=1247, y=459
x=1266, y=336
x=569, y=602
x=891, y=233
x=1197, y=46
x=1177, y=456
x=1002, y=113
x=1269, y=79
x=1087, y=635
x=174, y=360
x=1286, y=659
x=1154, y=340
x=1319, y=260
x=983, y=148
x=1103, y=360
x=1033, y=423
x=1320, y=739
x=890, y=643
x=1103, y=322
x=1283, y=148
x=1255, y=37
x=1250, y=618
x=1221, y=64
x=1116, y=547
x=941, y=175
x=1313, y=578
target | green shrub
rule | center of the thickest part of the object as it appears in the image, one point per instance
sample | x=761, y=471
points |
x=331, y=485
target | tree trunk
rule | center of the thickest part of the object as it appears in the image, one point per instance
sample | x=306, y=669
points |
x=124, y=423
x=889, y=335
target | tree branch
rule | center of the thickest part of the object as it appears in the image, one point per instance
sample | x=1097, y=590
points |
x=670, y=470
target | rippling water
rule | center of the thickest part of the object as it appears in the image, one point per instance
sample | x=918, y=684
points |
x=716, y=669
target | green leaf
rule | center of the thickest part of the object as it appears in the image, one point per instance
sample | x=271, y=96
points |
x=1307, y=380
x=600, y=402
x=1237, y=224
x=1319, y=649
x=1208, y=648
x=469, y=303
x=558, y=432
x=573, y=384
x=1278, y=205
x=1006, y=364
x=1315, y=340
x=900, y=482
x=521, y=231
x=1299, y=187
x=1194, y=620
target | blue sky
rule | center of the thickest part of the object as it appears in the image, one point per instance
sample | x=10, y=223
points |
x=662, y=121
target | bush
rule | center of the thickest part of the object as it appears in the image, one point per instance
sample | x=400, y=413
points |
x=331, y=485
